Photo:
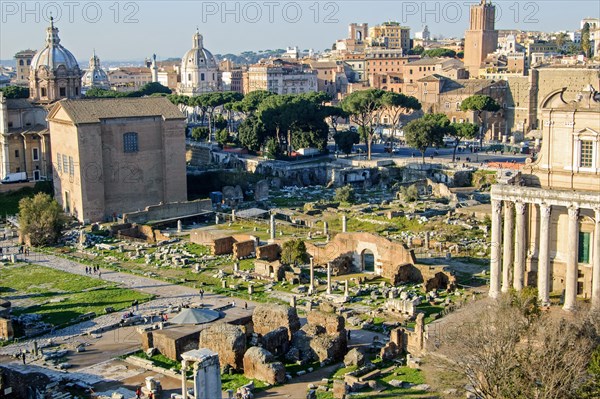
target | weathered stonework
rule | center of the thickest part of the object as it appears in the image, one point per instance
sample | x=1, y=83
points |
x=228, y=341
x=269, y=252
x=173, y=342
x=259, y=364
x=392, y=260
x=268, y=317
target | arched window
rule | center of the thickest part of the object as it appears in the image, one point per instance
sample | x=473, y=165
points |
x=202, y=77
x=130, y=142
x=21, y=62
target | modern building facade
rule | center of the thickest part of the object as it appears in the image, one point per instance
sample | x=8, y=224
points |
x=117, y=155
x=546, y=222
x=280, y=77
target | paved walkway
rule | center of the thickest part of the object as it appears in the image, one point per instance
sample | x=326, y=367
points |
x=167, y=294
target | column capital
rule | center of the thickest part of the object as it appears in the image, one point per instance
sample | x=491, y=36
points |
x=496, y=206
x=545, y=209
x=520, y=207
x=597, y=212
x=573, y=212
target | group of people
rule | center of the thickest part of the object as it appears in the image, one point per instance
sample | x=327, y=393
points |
x=93, y=270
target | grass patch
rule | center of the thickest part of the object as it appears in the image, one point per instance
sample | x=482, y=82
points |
x=235, y=381
x=159, y=360
x=293, y=368
x=61, y=297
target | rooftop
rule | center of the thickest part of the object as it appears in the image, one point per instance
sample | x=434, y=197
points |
x=93, y=110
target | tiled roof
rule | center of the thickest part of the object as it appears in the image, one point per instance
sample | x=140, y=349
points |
x=93, y=110
x=18, y=103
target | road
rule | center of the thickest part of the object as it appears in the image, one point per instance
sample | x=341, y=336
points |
x=442, y=153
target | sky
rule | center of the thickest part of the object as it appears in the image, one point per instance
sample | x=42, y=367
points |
x=134, y=30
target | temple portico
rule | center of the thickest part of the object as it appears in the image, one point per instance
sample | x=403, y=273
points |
x=545, y=238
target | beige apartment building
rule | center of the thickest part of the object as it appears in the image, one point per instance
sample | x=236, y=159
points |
x=125, y=79
x=280, y=77
x=546, y=222
x=117, y=155
x=23, y=61
x=390, y=35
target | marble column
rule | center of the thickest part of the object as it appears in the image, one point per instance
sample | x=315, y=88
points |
x=233, y=215
x=496, y=257
x=272, y=227
x=507, y=243
x=596, y=263
x=520, y=246
x=325, y=228
x=328, y=278
x=344, y=224
x=311, y=285
x=572, y=258
x=543, y=273
x=184, y=379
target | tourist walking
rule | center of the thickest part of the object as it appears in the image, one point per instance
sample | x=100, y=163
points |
x=138, y=393
x=201, y=293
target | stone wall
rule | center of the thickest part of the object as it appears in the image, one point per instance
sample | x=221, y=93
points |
x=266, y=268
x=172, y=342
x=244, y=249
x=221, y=246
x=268, y=317
x=6, y=329
x=228, y=341
x=277, y=341
x=392, y=260
x=332, y=322
x=268, y=252
x=171, y=210
x=259, y=364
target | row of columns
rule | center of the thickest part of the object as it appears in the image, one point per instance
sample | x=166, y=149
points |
x=508, y=256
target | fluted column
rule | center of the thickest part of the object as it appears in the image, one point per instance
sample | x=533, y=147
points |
x=572, y=255
x=496, y=252
x=520, y=246
x=596, y=264
x=507, y=243
x=543, y=274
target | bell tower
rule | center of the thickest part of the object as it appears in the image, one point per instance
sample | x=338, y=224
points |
x=481, y=38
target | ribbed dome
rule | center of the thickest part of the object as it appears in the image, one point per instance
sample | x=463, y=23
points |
x=53, y=55
x=198, y=56
x=95, y=75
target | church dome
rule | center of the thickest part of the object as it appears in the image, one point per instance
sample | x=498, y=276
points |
x=199, y=57
x=53, y=55
x=95, y=75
